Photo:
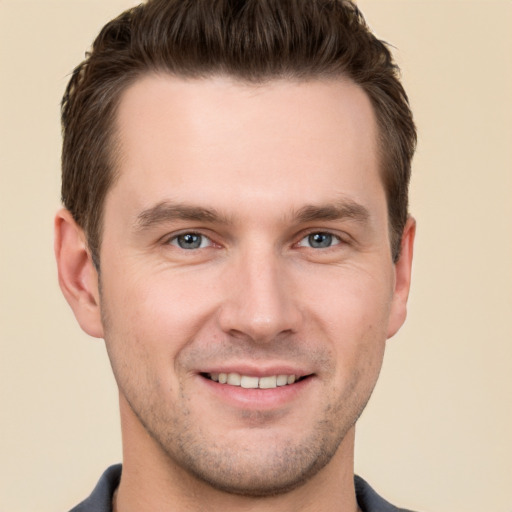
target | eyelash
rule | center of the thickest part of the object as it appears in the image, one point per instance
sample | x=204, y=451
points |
x=331, y=237
x=174, y=240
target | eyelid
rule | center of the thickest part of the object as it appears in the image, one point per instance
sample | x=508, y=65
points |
x=341, y=238
x=344, y=238
x=170, y=238
x=335, y=237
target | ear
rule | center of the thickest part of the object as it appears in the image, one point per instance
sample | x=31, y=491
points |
x=78, y=278
x=403, y=269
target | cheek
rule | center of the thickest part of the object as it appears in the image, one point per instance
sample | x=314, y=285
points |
x=350, y=301
x=352, y=310
x=153, y=316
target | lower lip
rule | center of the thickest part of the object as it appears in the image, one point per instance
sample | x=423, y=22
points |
x=258, y=399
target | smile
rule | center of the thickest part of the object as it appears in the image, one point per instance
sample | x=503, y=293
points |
x=250, y=382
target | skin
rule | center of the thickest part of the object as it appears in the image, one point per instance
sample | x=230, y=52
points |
x=252, y=172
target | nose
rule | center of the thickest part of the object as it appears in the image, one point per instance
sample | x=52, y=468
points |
x=260, y=299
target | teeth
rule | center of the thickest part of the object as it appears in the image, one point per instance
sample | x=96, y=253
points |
x=234, y=379
x=282, y=380
x=268, y=382
x=248, y=382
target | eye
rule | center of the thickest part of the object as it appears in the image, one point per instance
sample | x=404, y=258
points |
x=319, y=240
x=190, y=241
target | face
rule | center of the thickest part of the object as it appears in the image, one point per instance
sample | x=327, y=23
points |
x=247, y=284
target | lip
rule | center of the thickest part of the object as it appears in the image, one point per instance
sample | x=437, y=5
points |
x=258, y=371
x=258, y=399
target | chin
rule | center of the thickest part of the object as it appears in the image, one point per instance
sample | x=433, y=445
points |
x=269, y=464
x=273, y=475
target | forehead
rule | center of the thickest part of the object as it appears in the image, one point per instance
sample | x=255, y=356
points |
x=217, y=136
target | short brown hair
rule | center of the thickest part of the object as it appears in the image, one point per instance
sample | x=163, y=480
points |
x=252, y=40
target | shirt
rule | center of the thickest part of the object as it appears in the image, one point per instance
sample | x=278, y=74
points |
x=100, y=499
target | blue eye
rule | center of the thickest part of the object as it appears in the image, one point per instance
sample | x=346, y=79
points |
x=319, y=240
x=190, y=241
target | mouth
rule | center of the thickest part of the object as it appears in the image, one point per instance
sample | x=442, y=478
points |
x=252, y=382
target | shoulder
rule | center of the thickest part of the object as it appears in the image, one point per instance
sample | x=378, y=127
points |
x=369, y=501
x=100, y=499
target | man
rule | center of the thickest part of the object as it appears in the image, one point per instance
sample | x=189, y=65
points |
x=236, y=228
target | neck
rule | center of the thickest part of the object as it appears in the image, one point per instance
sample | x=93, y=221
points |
x=151, y=481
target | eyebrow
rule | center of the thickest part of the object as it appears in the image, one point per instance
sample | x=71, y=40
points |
x=344, y=209
x=168, y=212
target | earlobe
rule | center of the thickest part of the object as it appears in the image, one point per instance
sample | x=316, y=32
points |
x=78, y=278
x=403, y=269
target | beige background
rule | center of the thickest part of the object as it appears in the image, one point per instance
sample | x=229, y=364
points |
x=437, y=435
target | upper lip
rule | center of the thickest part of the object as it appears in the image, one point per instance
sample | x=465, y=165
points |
x=260, y=370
